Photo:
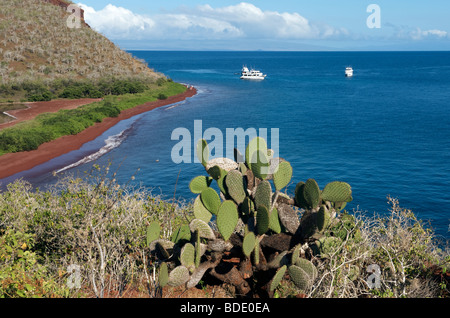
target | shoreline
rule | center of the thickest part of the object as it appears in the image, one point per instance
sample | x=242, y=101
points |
x=13, y=163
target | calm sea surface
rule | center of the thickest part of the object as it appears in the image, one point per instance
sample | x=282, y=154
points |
x=386, y=131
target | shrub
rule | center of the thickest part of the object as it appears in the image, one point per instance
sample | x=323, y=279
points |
x=162, y=96
x=21, y=275
x=74, y=217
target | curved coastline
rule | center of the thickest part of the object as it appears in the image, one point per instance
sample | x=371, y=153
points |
x=13, y=163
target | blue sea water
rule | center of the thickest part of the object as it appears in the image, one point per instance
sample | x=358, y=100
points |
x=385, y=131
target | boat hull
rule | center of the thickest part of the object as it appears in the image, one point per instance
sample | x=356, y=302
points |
x=253, y=77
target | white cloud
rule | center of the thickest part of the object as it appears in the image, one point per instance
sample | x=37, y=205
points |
x=117, y=22
x=418, y=34
x=405, y=32
x=204, y=22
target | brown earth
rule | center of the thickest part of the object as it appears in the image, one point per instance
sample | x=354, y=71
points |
x=13, y=163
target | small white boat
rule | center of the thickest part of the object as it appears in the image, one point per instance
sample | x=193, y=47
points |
x=348, y=71
x=252, y=74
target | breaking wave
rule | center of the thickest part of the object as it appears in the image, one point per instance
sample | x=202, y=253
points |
x=111, y=142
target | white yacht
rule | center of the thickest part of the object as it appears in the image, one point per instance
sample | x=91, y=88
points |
x=348, y=71
x=252, y=74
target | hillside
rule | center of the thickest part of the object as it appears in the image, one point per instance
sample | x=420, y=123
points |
x=36, y=45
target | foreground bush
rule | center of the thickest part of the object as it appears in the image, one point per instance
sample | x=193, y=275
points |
x=94, y=224
x=121, y=241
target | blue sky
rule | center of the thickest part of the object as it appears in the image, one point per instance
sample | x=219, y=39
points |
x=272, y=25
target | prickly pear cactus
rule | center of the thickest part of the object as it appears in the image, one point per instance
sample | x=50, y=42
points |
x=251, y=224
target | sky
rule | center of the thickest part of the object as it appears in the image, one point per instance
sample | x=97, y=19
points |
x=272, y=25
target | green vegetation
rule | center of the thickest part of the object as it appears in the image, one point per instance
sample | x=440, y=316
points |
x=43, y=233
x=29, y=135
x=129, y=243
x=68, y=88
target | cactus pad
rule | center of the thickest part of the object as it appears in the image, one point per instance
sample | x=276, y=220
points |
x=179, y=276
x=247, y=208
x=200, y=183
x=204, y=230
x=308, y=267
x=216, y=172
x=260, y=164
x=235, y=186
x=276, y=280
x=200, y=212
x=203, y=151
x=296, y=254
x=311, y=193
x=198, y=250
x=263, y=195
x=163, y=277
x=300, y=278
x=323, y=218
x=274, y=221
x=227, y=219
x=282, y=175
x=210, y=200
x=187, y=256
x=337, y=191
x=248, y=245
x=153, y=232
x=183, y=233
x=262, y=219
x=254, y=145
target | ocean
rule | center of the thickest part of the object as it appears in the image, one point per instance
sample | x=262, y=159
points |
x=385, y=131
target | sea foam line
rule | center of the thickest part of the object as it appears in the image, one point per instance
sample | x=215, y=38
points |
x=111, y=142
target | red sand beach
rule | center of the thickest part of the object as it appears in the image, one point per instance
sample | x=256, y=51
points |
x=13, y=163
x=36, y=108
